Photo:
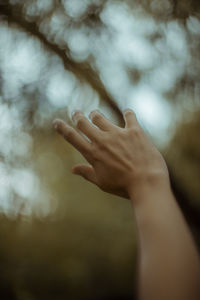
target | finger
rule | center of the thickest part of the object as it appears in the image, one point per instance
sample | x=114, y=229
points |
x=83, y=124
x=100, y=121
x=86, y=171
x=74, y=138
x=130, y=118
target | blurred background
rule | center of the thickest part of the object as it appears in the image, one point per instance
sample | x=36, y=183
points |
x=60, y=236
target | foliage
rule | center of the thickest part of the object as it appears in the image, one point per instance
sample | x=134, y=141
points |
x=63, y=238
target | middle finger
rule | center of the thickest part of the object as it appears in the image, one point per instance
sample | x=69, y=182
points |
x=85, y=126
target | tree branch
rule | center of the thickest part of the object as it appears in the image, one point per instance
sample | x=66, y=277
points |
x=82, y=71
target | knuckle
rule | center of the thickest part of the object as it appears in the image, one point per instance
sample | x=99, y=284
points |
x=102, y=141
x=106, y=138
x=68, y=134
x=94, y=152
x=118, y=134
x=101, y=146
x=133, y=130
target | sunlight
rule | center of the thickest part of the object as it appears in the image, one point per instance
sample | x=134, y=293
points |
x=154, y=113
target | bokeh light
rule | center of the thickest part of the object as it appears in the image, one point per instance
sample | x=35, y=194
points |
x=139, y=59
x=59, y=56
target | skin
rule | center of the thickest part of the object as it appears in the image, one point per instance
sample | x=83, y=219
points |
x=124, y=162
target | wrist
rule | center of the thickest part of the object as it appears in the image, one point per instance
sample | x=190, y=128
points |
x=149, y=187
x=152, y=202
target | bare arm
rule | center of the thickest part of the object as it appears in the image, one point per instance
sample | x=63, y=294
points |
x=123, y=161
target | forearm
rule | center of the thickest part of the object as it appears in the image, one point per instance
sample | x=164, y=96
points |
x=168, y=260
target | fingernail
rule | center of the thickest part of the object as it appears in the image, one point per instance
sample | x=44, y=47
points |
x=76, y=114
x=93, y=111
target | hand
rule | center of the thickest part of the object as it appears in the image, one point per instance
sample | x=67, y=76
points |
x=121, y=160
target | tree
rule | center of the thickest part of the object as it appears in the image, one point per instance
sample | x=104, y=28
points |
x=56, y=56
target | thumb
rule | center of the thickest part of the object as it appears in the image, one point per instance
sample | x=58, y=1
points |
x=86, y=171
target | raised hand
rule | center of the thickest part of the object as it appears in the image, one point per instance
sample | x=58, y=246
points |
x=121, y=160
